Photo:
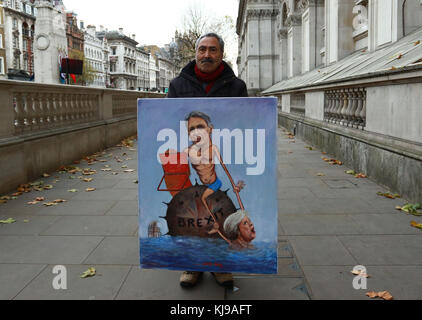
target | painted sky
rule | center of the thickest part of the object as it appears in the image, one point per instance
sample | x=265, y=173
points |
x=259, y=196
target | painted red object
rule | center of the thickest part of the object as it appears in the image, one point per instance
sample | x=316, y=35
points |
x=176, y=172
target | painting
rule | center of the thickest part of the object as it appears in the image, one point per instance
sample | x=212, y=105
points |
x=208, y=184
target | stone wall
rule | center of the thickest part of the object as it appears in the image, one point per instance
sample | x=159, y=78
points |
x=389, y=162
x=44, y=127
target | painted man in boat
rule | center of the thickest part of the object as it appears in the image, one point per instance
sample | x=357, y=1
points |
x=201, y=154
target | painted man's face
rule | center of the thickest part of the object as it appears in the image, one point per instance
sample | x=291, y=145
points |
x=247, y=230
x=199, y=131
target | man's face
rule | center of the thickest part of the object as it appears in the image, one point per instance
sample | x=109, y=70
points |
x=247, y=230
x=209, y=55
x=199, y=131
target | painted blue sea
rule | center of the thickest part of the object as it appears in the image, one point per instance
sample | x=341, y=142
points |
x=212, y=255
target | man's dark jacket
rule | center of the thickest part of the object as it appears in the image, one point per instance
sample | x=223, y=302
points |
x=187, y=85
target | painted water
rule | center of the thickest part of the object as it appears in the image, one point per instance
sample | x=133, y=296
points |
x=201, y=254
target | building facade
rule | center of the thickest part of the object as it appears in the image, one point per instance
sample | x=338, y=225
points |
x=19, y=28
x=142, y=67
x=75, y=36
x=3, y=65
x=94, y=56
x=123, y=72
x=347, y=75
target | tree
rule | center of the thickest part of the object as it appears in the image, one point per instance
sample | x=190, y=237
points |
x=197, y=22
x=88, y=73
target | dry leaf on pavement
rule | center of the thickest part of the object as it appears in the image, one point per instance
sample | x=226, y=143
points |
x=89, y=273
x=382, y=294
x=8, y=221
x=129, y=170
x=73, y=190
x=90, y=189
x=416, y=225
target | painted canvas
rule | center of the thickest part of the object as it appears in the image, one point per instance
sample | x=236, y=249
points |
x=208, y=184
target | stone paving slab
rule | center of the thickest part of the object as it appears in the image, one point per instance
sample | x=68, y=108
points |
x=46, y=250
x=105, y=285
x=164, y=285
x=92, y=226
x=385, y=249
x=317, y=224
x=336, y=283
x=268, y=288
x=124, y=208
x=31, y=225
x=116, y=250
x=320, y=251
x=14, y=277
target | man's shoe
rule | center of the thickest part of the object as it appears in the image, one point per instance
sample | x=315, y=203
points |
x=189, y=279
x=224, y=279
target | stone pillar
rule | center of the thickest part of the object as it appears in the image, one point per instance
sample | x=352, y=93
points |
x=50, y=41
x=282, y=37
x=294, y=45
x=339, y=29
x=252, y=51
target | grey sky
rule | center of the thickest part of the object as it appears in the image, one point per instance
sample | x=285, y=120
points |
x=153, y=21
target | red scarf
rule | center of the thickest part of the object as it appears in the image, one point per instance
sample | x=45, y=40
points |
x=209, y=78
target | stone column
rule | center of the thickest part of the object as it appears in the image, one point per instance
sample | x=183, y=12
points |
x=50, y=40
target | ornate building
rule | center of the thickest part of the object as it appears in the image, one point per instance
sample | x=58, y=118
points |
x=94, y=56
x=3, y=65
x=142, y=67
x=122, y=59
x=19, y=27
x=347, y=75
x=75, y=36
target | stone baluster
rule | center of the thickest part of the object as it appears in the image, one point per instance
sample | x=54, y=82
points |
x=363, y=112
x=38, y=112
x=327, y=105
x=349, y=107
x=333, y=106
x=338, y=106
x=343, y=107
x=19, y=107
x=54, y=110
x=65, y=106
x=354, y=107
x=30, y=111
x=89, y=109
x=59, y=108
x=359, y=108
x=95, y=100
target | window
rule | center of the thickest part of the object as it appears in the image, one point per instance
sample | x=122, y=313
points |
x=1, y=65
x=1, y=41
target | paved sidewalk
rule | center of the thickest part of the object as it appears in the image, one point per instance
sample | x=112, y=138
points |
x=329, y=222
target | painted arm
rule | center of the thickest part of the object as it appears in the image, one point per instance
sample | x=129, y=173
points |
x=237, y=188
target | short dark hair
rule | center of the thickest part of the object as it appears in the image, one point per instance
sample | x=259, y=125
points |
x=211, y=35
x=201, y=115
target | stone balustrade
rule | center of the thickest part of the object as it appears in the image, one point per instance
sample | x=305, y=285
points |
x=346, y=107
x=43, y=127
x=29, y=107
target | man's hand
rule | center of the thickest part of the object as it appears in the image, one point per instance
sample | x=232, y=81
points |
x=239, y=187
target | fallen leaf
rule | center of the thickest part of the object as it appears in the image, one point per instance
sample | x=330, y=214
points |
x=417, y=42
x=50, y=204
x=361, y=176
x=324, y=152
x=360, y=273
x=412, y=209
x=8, y=221
x=73, y=190
x=352, y=172
x=45, y=175
x=400, y=56
x=416, y=225
x=33, y=202
x=129, y=170
x=5, y=198
x=48, y=187
x=382, y=294
x=389, y=196
x=87, y=179
x=136, y=181
x=59, y=201
x=89, y=273
x=90, y=189
x=114, y=173
x=124, y=167
x=26, y=221
x=320, y=175
x=106, y=169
